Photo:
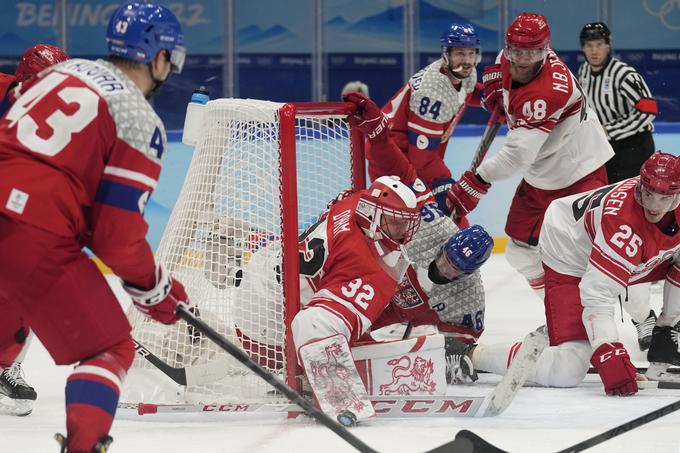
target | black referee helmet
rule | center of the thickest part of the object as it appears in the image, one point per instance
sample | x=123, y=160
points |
x=595, y=30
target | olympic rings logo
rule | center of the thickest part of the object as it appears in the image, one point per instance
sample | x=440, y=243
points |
x=664, y=12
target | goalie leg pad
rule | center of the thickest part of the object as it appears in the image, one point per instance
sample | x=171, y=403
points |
x=412, y=367
x=333, y=377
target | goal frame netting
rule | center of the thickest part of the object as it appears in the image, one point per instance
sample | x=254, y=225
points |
x=292, y=118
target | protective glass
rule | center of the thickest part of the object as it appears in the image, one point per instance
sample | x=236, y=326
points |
x=521, y=55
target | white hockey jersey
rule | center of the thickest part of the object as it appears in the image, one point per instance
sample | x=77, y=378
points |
x=554, y=138
x=603, y=237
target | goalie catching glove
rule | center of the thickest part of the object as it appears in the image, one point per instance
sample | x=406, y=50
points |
x=160, y=301
x=368, y=118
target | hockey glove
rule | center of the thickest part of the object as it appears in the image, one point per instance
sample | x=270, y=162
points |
x=492, y=96
x=368, y=118
x=616, y=370
x=440, y=189
x=466, y=193
x=160, y=301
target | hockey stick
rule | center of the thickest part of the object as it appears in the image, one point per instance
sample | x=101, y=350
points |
x=489, y=134
x=623, y=428
x=192, y=375
x=479, y=445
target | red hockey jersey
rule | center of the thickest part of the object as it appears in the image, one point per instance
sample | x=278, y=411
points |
x=421, y=114
x=80, y=154
x=340, y=265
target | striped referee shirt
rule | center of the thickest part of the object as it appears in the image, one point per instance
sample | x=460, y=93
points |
x=620, y=97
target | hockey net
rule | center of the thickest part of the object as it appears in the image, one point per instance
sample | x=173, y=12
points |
x=261, y=173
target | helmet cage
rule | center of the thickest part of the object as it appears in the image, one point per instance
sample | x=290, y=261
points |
x=388, y=211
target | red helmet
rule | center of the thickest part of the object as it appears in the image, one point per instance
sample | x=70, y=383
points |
x=661, y=174
x=660, y=177
x=528, y=31
x=388, y=211
x=36, y=59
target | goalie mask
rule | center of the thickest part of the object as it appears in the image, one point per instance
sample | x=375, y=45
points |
x=658, y=189
x=388, y=212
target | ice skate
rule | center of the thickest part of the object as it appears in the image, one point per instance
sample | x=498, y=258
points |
x=459, y=368
x=101, y=447
x=16, y=396
x=644, y=330
x=664, y=353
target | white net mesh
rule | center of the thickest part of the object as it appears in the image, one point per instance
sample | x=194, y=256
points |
x=223, y=243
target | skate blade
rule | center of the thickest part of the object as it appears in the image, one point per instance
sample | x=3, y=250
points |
x=659, y=372
x=10, y=406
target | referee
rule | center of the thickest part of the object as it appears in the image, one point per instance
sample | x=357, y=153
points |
x=622, y=101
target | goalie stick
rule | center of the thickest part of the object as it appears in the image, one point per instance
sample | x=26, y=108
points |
x=496, y=403
x=409, y=406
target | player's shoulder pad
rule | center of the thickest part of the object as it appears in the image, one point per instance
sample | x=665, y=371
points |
x=545, y=96
x=434, y=95
x=137, y=124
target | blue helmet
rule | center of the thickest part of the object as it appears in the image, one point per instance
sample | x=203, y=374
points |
x=137, y=31
x=461, y=35
x=469, y=248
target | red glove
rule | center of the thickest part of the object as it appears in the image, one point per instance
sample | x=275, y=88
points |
x=160, y=301
x=616, y=371
x=466, y=193
x=368, y=117
x=492, y=97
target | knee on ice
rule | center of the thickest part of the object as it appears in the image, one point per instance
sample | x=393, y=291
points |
x=565, y=365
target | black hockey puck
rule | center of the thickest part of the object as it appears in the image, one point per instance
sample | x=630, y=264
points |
x=347, y=419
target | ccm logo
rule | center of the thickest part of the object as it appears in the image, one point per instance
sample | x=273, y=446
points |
x=424, y=406
x=616, y=352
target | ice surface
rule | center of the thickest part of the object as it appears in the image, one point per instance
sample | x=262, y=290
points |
x=539, y=420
